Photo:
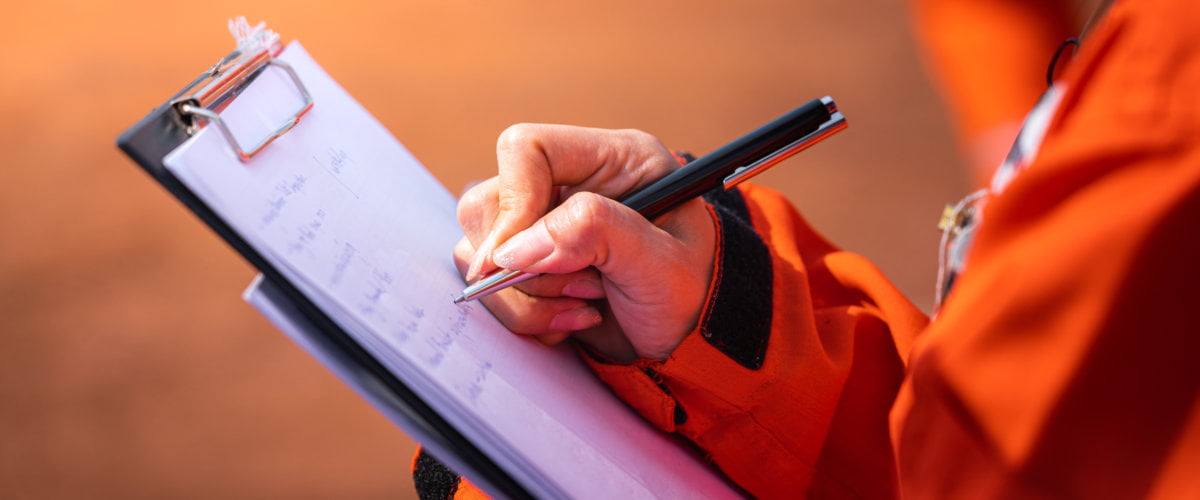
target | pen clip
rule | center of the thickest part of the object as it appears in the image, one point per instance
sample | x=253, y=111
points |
x=835, y=123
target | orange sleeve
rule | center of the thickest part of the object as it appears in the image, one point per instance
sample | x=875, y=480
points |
x=788, y=379
x=1063, y=363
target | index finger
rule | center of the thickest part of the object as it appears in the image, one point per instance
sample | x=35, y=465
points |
x=535, y=158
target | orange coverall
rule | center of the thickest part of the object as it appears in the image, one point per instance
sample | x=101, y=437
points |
x=1062, y=363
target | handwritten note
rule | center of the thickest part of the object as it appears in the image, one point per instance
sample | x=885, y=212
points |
x=351, y=218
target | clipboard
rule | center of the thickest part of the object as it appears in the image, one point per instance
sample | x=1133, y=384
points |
x=371, y=297
x=181, y=116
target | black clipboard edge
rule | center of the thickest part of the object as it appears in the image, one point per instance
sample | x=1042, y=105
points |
x=160, y=132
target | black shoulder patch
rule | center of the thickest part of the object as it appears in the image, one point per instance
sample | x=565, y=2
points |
x=738, y=322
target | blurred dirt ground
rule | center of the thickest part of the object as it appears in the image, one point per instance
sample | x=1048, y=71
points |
x=129, y=366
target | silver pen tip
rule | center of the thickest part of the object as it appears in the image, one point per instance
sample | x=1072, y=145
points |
x=460, y=299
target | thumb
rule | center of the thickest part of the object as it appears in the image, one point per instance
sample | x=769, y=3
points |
x=655, y=281
x=590, y=230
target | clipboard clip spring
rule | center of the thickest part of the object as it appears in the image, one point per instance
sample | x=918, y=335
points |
x=203, y=100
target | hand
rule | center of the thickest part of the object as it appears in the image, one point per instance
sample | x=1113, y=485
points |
x=625, y=286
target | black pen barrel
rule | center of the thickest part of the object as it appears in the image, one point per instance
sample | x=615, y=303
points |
x=710, y=170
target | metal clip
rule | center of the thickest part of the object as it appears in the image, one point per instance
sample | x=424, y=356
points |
x=835, y=123
x=223, y=82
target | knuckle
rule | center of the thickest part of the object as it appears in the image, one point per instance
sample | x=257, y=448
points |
x=474, y=196
x=464, y=248
x=641, y=140
x=640, y=137
x=588, y=212
x=472, y=201
x=516, y=135
x=583, y=225
x=654, y=159
x=512, y=202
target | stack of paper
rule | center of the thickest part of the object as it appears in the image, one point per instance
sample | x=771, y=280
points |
x=358, y=225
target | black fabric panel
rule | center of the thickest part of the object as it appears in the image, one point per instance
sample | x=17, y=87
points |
x=738, y=322
x=433, y=480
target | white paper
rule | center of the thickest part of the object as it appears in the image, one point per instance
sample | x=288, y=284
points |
x=351, y=218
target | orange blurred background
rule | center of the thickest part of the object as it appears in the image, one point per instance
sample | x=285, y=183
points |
x=130, y=367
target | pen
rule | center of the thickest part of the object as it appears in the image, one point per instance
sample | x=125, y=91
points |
x=727, y=166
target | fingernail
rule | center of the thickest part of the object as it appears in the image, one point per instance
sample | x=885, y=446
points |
x=552, y=339
x=481, y=254
x=473, y=269
x=576, y=319
x=587, y=288
x=525, y=248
